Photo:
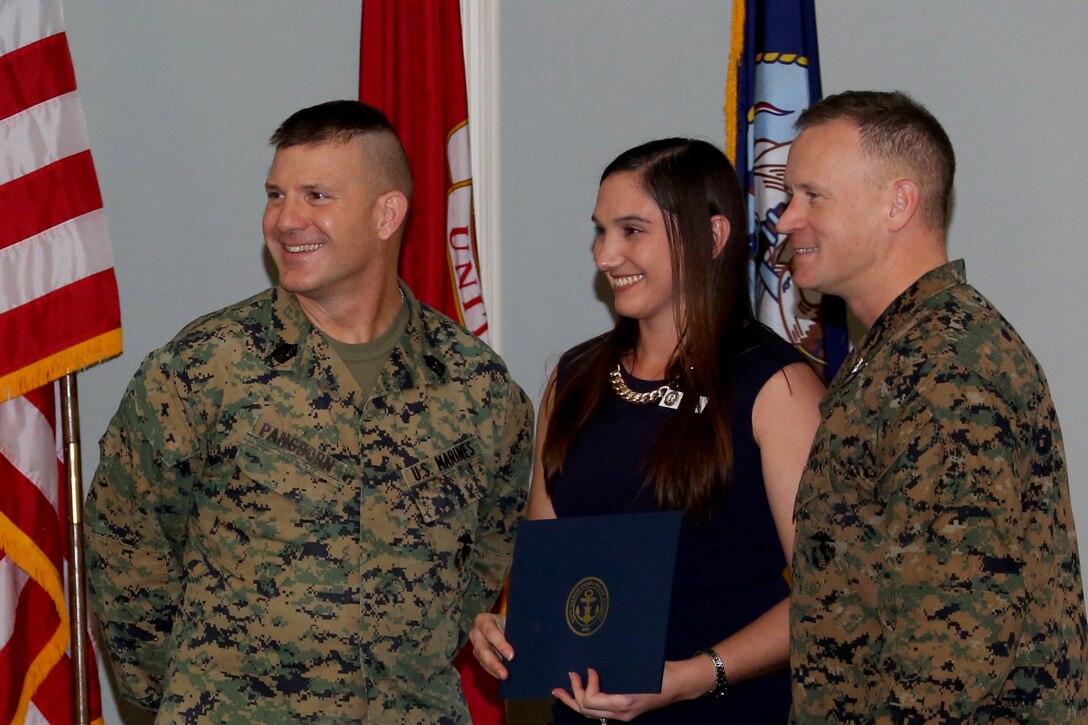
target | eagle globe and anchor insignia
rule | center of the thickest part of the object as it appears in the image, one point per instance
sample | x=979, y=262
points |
x=587, y=606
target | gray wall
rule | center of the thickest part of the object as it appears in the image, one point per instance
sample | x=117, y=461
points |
x=181, y=97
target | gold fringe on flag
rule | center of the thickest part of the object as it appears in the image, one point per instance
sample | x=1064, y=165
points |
x=53, y=367
x=25, y=553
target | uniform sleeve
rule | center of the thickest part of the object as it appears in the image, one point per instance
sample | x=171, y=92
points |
x=502, y=507
x=952, y=595
x=135, y=517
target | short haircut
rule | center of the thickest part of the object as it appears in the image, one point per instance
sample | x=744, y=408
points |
x=900, y=131
x=342, y=121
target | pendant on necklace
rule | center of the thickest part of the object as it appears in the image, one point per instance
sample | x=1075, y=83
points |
x=671, y=399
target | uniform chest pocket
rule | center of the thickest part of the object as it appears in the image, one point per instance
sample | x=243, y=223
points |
x=276, y=510
x=838, y=543
x=307, y=480
x=448, y=482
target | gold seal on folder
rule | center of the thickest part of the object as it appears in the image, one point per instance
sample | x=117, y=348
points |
x=587, y=606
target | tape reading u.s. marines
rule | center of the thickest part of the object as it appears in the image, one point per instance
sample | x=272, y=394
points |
x=443, y=461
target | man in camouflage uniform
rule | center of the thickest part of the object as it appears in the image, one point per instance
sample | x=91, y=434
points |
x=305, y=498
x=936, y=574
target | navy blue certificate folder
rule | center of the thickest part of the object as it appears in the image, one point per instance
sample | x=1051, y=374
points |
x=590, y=591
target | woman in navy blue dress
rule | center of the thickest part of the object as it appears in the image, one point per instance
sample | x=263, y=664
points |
x=671, y=239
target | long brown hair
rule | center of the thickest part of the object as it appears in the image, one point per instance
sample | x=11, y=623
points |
x=690, y=464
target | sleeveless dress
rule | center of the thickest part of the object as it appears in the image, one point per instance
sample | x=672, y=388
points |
x=728, y=570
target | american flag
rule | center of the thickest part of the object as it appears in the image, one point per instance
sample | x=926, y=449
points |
x=59, y=312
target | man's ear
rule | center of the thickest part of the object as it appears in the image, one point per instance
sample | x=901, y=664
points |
x=905, y=198
x=719, y=228
x=390, y=211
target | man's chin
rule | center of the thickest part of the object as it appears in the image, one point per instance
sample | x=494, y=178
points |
x=801, y=277
x=296, y=286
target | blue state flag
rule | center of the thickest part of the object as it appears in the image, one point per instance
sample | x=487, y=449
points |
x=774, y=74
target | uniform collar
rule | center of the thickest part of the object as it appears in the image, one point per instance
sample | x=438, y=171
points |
x=416, y=358
x=902, y=313
x=288, y=331
x=294, y=343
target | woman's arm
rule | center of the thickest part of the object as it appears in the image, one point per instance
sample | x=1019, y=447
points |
x=540, y=504
x=784, y=420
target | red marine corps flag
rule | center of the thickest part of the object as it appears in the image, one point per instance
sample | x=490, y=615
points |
x=412, y=67
x=59, y=313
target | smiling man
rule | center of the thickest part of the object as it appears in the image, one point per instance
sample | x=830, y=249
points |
x=936, y=573
x=306, y=497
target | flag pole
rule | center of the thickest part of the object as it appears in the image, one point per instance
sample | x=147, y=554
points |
x=77, y=579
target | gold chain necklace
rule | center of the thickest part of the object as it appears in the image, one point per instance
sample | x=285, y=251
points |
x=619, y=387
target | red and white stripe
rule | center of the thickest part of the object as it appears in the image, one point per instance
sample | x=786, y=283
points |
x=58, y=294
x=58, y=312
x=33, y=619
